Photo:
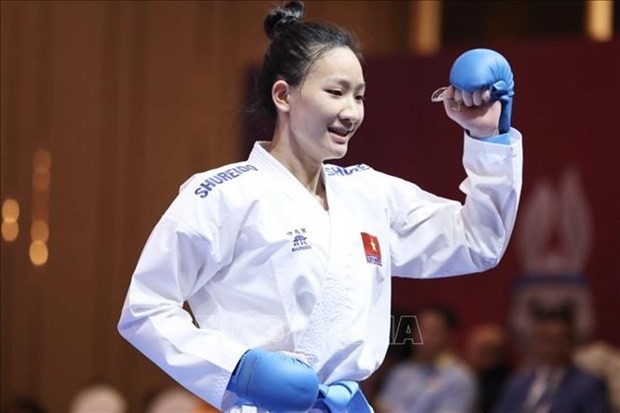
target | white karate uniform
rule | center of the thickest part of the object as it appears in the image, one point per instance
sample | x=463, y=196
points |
x=262, y=264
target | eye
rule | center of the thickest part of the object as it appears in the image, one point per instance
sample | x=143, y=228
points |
x=361, y=98
x=334, y=92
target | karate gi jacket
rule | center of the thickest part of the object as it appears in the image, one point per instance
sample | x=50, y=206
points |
x=262, y=264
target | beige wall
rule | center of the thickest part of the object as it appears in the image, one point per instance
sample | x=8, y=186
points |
x=130, y=99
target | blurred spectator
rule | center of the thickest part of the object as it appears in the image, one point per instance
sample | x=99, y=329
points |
x=23, y=405
x=486, y=351
x=603, y=361
x=172, y=399
x=98, y=397
x=433, y=380
x=553, y=384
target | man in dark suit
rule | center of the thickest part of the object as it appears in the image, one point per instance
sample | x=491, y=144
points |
x=553, y=384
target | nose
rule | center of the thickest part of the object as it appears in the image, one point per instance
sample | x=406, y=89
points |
x=352, y=113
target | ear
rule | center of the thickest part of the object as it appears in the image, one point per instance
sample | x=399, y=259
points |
x=280, y=94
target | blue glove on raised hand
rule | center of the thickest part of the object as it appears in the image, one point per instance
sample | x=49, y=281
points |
x=486, y=69
x=275, y=381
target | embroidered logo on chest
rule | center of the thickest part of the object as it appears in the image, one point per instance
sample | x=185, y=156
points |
x=300, y=240
x=371, y=248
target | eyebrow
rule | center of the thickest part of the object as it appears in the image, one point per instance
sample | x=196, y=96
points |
x=346, y=83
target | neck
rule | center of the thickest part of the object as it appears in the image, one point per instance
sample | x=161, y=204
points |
x=303, y=167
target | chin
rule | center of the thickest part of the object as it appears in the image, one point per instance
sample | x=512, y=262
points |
x=338, y=152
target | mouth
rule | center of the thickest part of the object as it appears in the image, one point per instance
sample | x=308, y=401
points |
x=342, y=133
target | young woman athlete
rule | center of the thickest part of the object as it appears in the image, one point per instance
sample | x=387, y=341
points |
x=285, y=260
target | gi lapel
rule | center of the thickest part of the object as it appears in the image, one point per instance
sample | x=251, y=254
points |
x=327, y=316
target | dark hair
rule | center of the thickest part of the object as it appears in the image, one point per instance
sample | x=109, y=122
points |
x=449, y=316
x=294, y=47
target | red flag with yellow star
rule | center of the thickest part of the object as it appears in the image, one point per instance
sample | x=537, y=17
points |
x=371, y=248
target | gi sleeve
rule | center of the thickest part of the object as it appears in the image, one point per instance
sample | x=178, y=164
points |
x=178, y=260
x=434, y=237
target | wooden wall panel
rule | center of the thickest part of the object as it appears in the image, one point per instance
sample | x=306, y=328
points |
x=71, y=347
x=25, y=121
x=382, y=26
x=20, y=102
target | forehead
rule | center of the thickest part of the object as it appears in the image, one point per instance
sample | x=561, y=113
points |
x=337, y=63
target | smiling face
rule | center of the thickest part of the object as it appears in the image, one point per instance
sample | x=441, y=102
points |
x=326, y=109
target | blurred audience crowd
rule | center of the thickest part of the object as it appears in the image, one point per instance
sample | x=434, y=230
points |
x=551, y=373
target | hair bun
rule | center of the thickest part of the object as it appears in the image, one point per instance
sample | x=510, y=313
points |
x=282, y=17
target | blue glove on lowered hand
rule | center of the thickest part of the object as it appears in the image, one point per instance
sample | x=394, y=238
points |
x=275, y=381
x=342, y=396
x=486, y=69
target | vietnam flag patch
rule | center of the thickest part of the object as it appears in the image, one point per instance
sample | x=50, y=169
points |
x=371, y=248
